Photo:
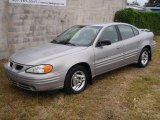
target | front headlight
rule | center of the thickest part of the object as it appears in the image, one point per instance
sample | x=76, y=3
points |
x=40, y=69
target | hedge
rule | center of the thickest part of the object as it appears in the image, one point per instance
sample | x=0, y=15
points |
x=144, y=20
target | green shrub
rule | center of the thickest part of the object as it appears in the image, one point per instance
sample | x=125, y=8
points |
x=144, y=20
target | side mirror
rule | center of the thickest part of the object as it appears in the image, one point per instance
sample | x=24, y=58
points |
x=103, y=43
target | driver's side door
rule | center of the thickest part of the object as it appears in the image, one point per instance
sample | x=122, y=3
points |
x=108, y=56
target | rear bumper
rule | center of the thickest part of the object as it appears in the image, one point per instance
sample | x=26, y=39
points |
x=34, y=82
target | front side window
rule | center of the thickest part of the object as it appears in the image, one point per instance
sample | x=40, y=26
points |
x=78, y=35
x=109, y=34
x=126, y=31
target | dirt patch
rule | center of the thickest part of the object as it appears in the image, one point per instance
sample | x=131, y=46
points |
x=155, y=87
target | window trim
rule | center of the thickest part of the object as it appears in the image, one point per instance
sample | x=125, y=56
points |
x=119, y=33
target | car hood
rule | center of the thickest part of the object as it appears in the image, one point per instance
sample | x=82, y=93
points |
x=43, y=53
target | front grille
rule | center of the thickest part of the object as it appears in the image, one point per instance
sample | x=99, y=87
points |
x=24, y=86
x=19, y=67
x=16, y=66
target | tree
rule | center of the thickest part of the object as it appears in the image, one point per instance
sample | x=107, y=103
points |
x=152, y=3
x=135, y=3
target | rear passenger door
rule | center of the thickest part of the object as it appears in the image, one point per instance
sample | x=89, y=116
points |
x=131, y=43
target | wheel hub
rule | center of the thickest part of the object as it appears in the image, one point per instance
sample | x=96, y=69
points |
x=78, y=80
x=145, y=58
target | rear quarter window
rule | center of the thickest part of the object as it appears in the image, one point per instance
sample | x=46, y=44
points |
x=136, y=32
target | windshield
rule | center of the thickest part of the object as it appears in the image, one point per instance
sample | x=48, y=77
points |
x=78, y=36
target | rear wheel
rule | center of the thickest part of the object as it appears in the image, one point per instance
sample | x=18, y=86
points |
x=76, y=80
x=144, y=58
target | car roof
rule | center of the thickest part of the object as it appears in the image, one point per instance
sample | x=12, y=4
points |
x=107, y=24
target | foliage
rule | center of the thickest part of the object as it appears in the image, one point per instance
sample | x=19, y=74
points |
x=144, y=20
x=135, y=3
x=152, y=3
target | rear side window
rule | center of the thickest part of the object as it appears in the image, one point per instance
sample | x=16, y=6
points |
x=126, y=31
x=136, y=32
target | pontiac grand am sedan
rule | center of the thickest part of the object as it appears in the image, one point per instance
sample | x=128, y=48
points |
x=79, y=54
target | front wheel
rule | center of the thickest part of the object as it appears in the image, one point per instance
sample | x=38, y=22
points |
x=76, y=80
x=144, y=58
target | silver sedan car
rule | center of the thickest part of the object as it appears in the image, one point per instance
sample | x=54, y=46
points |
x=79, y=54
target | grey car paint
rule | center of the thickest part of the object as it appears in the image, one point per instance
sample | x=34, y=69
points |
x=63, y=57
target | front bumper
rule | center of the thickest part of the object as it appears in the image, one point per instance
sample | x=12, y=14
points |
x=34, y=82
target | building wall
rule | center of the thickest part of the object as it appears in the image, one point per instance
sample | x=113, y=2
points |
x=4, y=52
x=23, y=26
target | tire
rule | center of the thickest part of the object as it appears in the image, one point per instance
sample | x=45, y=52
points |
x=144, y=58
x=76, y=80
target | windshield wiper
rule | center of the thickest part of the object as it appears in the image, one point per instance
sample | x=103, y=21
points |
x=54, y=41
x=66, y=43
x=63, y=42
x=72, y=44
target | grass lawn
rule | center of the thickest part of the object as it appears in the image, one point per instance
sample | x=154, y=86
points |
x=129, y=93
